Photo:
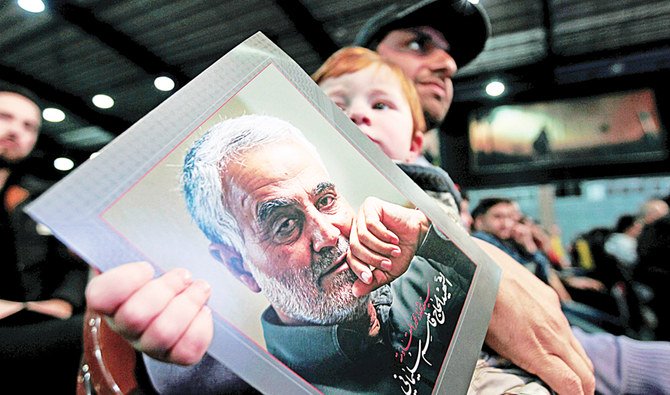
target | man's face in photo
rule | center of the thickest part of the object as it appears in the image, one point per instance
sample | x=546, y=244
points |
x=423, y=54
x=296, y=228
x=20, y=121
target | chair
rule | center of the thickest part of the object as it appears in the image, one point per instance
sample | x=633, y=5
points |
x=108, y=361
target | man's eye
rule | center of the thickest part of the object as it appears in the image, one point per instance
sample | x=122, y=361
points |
x=285, y=229
x=325, y=202
x=380, y=106
x=419, y=44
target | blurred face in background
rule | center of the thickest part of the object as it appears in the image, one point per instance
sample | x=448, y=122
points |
x=499, y=221
x=20, y=122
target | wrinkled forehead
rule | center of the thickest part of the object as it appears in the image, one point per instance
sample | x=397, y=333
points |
x=285, y=166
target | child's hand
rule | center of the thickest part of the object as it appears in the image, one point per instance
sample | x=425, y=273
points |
x=384, y=238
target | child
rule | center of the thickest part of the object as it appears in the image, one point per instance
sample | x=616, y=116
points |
x=384, y=104
x=378, y=98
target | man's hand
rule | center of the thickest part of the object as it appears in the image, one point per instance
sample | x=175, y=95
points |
x=58, y=308
x=165, y=317
x=384, y=238
x=522, y=234
x=8, y=307
x=528, y=328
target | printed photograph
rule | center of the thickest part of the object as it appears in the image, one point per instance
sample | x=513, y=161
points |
x=326, y=276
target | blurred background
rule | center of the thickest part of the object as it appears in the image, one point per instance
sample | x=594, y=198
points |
x=587, y=73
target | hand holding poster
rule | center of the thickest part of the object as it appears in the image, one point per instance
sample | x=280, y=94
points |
x=252, y=178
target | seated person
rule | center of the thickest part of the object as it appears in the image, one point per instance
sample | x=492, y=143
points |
x=499, y=222
x=41, y=283
x=622, y=243
x=653, y=270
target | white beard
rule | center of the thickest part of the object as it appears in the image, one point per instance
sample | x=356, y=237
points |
x=297, y=293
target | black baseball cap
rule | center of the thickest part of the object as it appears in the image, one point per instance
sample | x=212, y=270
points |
x=465, y=25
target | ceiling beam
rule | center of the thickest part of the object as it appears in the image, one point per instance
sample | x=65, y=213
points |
x=310, y=28
x=72, y=103
x=123, y=44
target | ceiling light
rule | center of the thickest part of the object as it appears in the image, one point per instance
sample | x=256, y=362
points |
x=164, y=83
x=93, y=155
x=495, y=88
x=53, y=114
x=42, y=230
x=103, y=101
x=617, y=68
x=31, y=5
x=473, y=1
x=63, y=164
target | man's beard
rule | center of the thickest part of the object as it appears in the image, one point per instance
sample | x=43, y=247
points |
x=431, y=121
x=298, y=293
x=10, y=164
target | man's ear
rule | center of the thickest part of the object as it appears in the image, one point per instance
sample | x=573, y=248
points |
x=416, y=146
x=233, y=261
x=477, y=223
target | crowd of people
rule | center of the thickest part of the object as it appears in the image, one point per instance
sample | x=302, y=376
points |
x=599, y=274
x=395, y=84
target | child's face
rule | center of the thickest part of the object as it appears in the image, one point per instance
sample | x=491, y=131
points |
x=373, y=98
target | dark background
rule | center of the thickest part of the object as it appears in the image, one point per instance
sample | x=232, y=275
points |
x=542, y=49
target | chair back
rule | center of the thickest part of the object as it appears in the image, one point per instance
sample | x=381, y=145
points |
x=108, y=361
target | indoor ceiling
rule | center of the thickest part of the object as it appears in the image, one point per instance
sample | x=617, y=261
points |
x=78, y=48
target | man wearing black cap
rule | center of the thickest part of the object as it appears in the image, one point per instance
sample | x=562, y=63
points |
x=430, y=40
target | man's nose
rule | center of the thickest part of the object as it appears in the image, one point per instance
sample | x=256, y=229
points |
x=360, y=118
x=11, y=130
x=324, y=234
x=441, y=61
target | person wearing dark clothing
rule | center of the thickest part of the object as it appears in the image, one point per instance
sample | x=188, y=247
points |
x=653, y=270
x=41, y=282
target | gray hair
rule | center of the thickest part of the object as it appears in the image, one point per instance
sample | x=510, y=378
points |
x=206, y=162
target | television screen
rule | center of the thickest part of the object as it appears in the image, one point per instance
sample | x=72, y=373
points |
x=612, y=128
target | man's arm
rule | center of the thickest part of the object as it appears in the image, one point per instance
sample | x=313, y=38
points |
x=528, y=328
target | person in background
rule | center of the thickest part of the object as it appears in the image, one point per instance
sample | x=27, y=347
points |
x=622, y=243
x=652, y=210
x=653, y=270
x=638, y=365
x=41, y=283
x=500, y=222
